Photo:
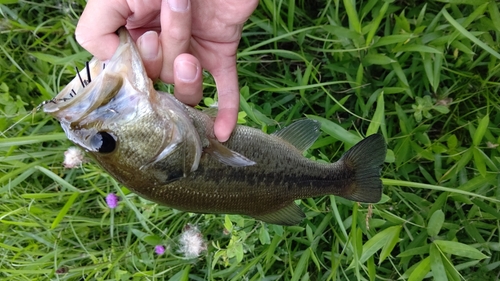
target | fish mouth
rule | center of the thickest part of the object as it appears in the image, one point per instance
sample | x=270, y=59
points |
x=98, y=83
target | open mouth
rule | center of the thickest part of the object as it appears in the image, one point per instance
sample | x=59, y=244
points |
x=76, y=87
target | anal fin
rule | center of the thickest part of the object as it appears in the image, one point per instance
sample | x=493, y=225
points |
x=291, y=214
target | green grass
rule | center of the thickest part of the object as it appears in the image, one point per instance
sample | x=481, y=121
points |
x=424, y=75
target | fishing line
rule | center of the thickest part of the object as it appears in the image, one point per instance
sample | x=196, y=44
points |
x=33, y=111
x=54, y=100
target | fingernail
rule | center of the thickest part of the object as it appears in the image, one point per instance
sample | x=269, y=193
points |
x=178, y=5
x=148, y=45
x=186, y=71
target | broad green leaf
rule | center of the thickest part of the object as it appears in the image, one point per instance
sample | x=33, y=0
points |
x=264, y=236
x=435, y=223
x=459, y=165
x=417, y=48
x=58, y=60
x=378, y=118
x=376, y=59
x=462, y=47
x=152, y=240
x=352, y=14
x=372, y=268
x=469, y=35
x=437, y=266
x=438, y=63
x=452, y=141
x=399, y=72
x=415, y=251
x=479, y=161
x=478, y=182
x=228, y=225
x=359, y=80
x=481, y=130
x=302, y=264
x=392, y=39
x=336, y=130
x=429, y=73
x=378, y=241
x=393, y=240
x=376, y=23
x=459, y=249
x=342, y=32
x=421, y=270
x=487, y=208
x=494, y=14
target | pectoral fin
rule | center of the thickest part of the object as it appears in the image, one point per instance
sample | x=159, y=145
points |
x=226, y=155
x=301, y=134
x=211, y=111
x=163, y=153
x=291, y=214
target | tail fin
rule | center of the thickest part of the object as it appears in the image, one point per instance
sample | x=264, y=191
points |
x=366, y=159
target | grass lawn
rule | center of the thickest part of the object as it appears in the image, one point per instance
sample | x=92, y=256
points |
x=425, y=74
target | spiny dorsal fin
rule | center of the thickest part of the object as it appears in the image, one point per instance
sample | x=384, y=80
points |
x=291, y=214
x=301, y=134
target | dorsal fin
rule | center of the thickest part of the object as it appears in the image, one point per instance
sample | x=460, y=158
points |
x=301, y=134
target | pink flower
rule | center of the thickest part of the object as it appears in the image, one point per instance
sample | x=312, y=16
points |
x=159, y=249
x=112, y=200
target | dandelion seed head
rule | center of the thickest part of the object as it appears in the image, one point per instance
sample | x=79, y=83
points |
x=191, y=242
x=112, y=200
x=159, y=249
x=73, y=157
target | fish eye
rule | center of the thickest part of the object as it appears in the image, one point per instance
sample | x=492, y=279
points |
x=103, y=142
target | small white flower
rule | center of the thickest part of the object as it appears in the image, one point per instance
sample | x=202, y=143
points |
x=73, y=157
x=191, y=242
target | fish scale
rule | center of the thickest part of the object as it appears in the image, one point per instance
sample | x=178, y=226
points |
x=166, y=151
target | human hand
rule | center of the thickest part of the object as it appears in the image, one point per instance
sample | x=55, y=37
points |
x=176, y=39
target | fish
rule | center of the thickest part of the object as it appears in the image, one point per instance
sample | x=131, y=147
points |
x=167, y=152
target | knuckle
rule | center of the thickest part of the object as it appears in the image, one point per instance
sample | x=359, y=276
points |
x=178, y=33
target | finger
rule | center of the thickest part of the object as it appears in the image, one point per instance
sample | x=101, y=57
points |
x=100, y=39
x=151, y=53
x=100, y=19
x=229, y=99
x=188, y=79
x=175, y=34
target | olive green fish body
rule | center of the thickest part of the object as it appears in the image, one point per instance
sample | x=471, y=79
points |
x=167, y=152
x=280, y=176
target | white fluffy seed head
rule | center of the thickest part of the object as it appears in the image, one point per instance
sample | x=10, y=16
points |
x=73, y=157
x=191, y=242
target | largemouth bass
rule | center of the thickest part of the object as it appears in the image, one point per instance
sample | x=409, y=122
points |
x=166, y=151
